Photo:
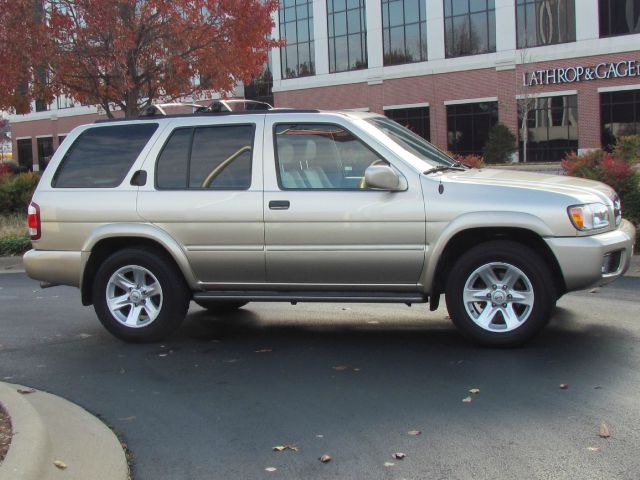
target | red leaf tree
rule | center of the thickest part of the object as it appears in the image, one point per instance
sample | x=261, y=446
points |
x=127, y=53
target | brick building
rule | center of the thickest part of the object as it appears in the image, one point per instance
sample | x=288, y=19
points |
x=450, y=69
x=453, y=68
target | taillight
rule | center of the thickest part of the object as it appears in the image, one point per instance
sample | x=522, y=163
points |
x=33, y=221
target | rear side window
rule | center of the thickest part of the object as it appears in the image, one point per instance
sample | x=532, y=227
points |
x=101, y=156
x=212, y=158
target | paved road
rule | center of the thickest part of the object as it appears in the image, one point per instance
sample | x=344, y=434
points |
x=205, y=405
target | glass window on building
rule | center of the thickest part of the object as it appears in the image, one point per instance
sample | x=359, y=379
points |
x=25, y=154
x=619, y=17
x=296, y=27
x=415, y=119
x=404, y=31
x=347, y=35
x=552, y=124
x=468, y=126
x=620, y=115
x=469, y=27
x=45, y=151
x=545, y=22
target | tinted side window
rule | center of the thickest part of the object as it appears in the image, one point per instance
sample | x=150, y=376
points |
x=172, y=168
x=207, y=158
x=101, y=156
x=321, y=157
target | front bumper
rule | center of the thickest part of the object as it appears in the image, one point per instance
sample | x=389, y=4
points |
x=594, y=260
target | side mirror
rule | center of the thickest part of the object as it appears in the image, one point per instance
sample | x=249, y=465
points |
x=382, y=177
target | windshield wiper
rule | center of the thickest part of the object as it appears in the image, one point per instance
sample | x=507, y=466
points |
x=442, y=168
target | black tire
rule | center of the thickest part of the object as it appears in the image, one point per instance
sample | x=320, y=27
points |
x=172, y=302
x=220, y=306
x=493, y=257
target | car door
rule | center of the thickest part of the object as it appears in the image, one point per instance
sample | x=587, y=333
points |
x=206, y=193
x=323, y=228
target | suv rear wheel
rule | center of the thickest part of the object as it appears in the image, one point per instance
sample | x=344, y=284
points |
x=500, y=293
x=139, y=296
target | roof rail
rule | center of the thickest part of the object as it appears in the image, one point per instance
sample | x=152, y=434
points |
x=210, y=114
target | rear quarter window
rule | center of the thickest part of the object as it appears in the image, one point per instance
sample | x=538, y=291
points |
x=101, y=156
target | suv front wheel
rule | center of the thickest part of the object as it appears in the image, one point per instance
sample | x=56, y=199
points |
x=500, y=293
x=139, y=296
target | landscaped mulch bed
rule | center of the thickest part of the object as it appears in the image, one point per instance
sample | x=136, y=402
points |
x=5, y=433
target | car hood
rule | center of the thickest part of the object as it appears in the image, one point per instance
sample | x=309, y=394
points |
x=578, y=187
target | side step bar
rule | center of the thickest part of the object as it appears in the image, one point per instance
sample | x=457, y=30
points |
x=298, y=296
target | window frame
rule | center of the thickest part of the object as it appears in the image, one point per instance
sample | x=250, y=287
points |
x=602, y=6
x=472, y=115
x=487, y=11
x=331, y=39
x=522, y=5
x=309, y=44
x=421, y=23
x=330, y=124
x=190, y=150
x=610, y=104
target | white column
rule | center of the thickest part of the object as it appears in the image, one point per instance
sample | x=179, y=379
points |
x=276, y=69
x=587, y=26
x=321, y=44
x=374, y=33
x=435, y=29
x=506, y=25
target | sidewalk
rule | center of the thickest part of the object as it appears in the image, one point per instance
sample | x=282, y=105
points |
x=48, y=429
x=11, y=264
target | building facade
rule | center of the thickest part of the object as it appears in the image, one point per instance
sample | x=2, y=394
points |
x=566, y=70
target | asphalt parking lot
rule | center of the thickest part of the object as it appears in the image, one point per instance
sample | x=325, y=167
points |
x=347, y=380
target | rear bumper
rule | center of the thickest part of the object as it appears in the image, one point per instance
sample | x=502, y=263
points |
x=596, y=259
x=56, y=267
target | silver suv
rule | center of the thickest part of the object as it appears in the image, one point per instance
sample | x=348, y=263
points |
x=306, y=206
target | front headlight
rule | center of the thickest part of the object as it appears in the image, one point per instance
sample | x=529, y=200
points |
x=591, y=216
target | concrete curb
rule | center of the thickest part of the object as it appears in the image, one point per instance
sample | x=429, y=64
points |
x=47, y=428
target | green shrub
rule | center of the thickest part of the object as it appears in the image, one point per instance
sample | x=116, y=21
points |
x=501, y=143
x=14, y=244
x=16, y=192
x=628, y=149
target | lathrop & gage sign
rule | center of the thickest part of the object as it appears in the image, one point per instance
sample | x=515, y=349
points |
x=602, y=71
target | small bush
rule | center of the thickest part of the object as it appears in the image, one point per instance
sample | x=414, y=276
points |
x=628, y=149
x=583, y=166
x=14, y=244
x=472, y=161
x=16, y=192
x=501, y=143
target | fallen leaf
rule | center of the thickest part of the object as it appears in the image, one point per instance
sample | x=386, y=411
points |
x=27, y=390
x=604, y=431
x=466, y=400
x=162, y=354
x=340, y=368
x=264, y=350
x=325, y=458
x=282, y=448
x=84, y=335
x=270, y=469
x=474, y=391
x=389, y=464
x=594, y=290
x=398, y=455
x=60, y=464
x=319, y=436
x=593, y=449
x=414, y=433
x=563, y=386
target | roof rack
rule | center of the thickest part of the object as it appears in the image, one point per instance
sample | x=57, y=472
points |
x=210, y=114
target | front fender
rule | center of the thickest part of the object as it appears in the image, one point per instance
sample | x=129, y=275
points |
x=439, y=234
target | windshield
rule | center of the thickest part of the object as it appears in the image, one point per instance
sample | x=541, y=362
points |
x=412, y=143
